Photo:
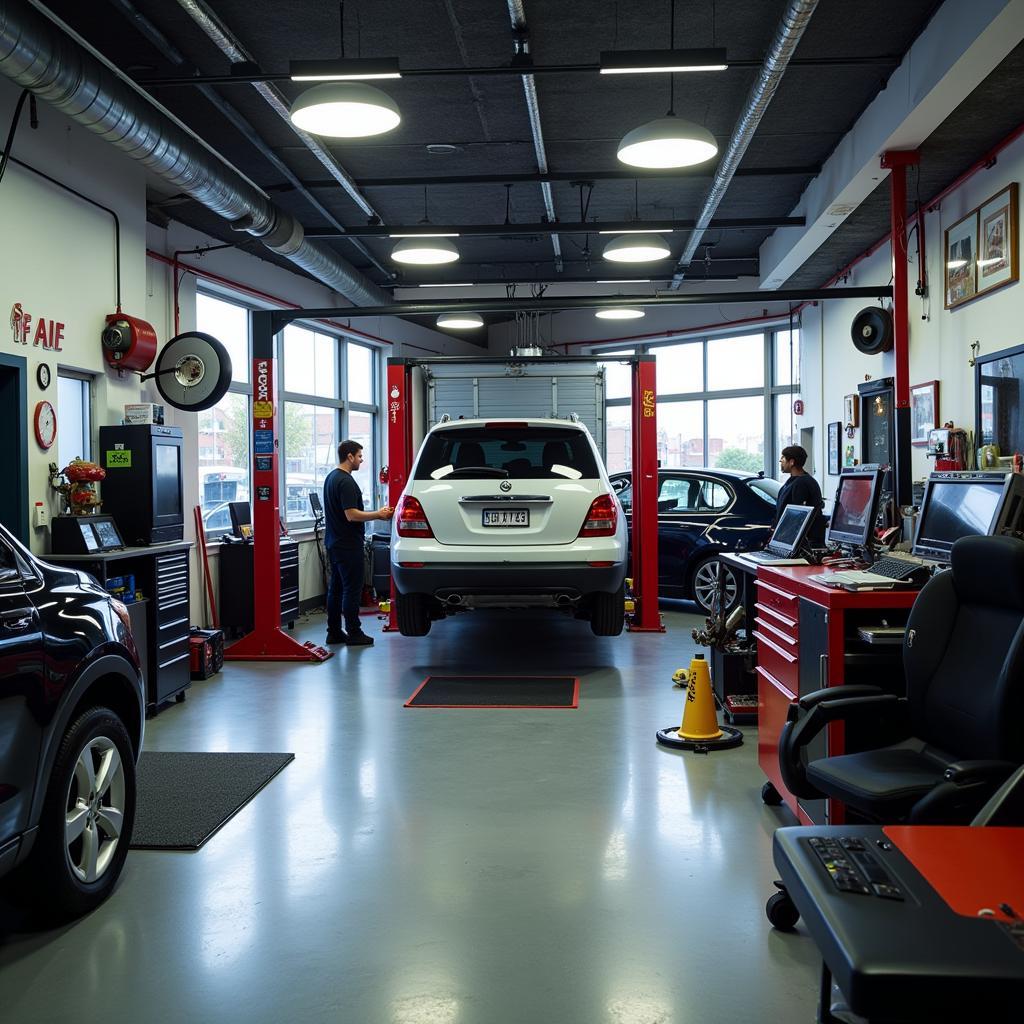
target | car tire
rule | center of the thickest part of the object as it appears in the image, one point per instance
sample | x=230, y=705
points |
x=703, y=583
x=76, y=873
x=413, y=613
x=607, y=613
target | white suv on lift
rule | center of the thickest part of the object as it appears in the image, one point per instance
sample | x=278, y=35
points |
x=509, y=514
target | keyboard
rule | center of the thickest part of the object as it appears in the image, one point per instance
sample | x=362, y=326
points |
x=767, y=558
x=898, y=568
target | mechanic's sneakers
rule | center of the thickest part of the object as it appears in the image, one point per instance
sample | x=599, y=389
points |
x=337, y=637
x=359, y=639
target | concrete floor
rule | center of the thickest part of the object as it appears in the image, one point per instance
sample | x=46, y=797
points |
x=418, y=866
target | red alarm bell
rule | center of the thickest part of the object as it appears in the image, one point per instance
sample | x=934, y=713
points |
x=129, y=343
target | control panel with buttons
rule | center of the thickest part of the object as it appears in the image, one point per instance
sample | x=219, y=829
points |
x=854, y=868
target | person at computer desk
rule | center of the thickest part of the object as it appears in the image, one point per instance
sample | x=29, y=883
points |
x=801, y=489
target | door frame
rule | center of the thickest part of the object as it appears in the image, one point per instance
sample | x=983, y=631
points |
x=20, y=525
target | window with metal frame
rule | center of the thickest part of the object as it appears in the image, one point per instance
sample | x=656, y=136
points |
x=74, y=415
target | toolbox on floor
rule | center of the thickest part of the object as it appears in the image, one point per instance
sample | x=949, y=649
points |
x=206, y=647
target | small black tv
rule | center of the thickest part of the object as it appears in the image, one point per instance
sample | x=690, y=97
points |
x=855, y=507
x=241, y=519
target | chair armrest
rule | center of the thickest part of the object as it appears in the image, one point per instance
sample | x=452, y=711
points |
x=801, y=728
x=809, y=700
x=963, y=792
x=962, y=772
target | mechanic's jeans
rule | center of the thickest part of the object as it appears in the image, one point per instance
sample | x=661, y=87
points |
x=345, y=589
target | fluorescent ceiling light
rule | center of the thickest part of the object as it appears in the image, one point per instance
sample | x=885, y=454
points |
x=460, y=321
x=626, y=280
x=427, y=234
x=620, y=313
x=361, y=68
x=639, y=231
x=345, y=110
x=667, y=142
x=424, y=251
x=444, y=284
x=650, y=62
x=636, y=249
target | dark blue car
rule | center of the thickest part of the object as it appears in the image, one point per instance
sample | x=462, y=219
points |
x=701, y=513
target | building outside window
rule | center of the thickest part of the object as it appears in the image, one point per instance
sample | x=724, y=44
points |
x=74, y=416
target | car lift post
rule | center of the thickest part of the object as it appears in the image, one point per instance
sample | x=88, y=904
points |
x=399, y=420
x=646, y=618
x=267, y=641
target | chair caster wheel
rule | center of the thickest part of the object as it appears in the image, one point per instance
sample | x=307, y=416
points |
x=782, y=912
x=770, y=795
x=179, y=698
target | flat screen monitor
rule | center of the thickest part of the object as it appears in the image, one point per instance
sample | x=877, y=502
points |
x=791, y=529
x=241, y=519
x=167, y=490
x=957, y=505
x=855, y=507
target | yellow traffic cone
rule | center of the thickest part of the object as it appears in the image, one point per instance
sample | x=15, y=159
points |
x=699, y=729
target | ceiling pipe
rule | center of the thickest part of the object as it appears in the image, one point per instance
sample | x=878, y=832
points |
x=517, y=12
x=57, y=65
x=222, y=38
x=787, y=35
x=153, y=35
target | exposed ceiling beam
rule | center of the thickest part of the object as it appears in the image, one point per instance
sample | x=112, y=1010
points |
x=248, y=73
x=556, y=228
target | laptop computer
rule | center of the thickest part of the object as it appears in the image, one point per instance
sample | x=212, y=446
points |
x=787, y=538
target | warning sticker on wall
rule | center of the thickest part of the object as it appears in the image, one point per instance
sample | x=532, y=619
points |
x=263, y=494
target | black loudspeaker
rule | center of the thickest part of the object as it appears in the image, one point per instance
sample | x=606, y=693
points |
x=872, y=331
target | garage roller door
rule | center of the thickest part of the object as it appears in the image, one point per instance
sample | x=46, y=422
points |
x=538, y=391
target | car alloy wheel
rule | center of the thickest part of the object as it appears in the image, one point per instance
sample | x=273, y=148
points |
x=95, y=809
x=705, y=585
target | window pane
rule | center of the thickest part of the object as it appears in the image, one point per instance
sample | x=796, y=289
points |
x=224, y=433
x=360, y=374
x=681, y=434
x=784, y=372
x=619, y=438
x=736, y=433
x=229, y=324
x=310, y=453
x=360, y=429
x=736, y=363
x=618, y=382
x=680, y=368
x=73, y=420
x=310, y=362
x=786, y=430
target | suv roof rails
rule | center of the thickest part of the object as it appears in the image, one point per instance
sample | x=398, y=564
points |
x=574, y=417
x=445, y=418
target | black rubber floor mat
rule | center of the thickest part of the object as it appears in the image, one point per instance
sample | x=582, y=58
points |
x=496, y=692
x=183, y=799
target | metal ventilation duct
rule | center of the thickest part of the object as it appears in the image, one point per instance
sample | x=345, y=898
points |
x=40, y=57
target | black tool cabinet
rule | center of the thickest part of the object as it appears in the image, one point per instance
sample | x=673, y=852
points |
x=161, y=574
x=235, y=607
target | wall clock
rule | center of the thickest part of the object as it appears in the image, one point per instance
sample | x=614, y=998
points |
x=43, y=376
x=45, y=421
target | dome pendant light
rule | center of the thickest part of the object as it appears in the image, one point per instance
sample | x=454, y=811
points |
x=620, y=313
x=460, y=321
x=425, y=249
x=636, y=249
x=345, y=110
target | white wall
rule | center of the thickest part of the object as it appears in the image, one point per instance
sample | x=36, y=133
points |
x=939, y=343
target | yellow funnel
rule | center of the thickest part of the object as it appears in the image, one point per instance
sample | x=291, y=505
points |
x=700, y=719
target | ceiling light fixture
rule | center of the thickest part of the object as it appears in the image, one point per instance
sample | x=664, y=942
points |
x=460, y=321
x=668, y=141
x=636, y=249
x=620, y=313
x=638, y=231
x=651, y=62
x=344, y=70
x=425, y=249
x=345, y=110
x=426, y=234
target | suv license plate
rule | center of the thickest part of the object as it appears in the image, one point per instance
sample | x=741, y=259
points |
x=506, y=517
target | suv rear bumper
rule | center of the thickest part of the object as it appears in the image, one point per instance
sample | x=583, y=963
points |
x=574, y=579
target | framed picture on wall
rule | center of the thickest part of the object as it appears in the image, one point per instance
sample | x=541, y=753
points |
x=961, y=257
x=834, y=432
x=924, y=411
x=851, y=410
x=997, y=241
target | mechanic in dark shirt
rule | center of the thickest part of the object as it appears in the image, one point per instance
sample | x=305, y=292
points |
x=345, y=518
x=801, y=489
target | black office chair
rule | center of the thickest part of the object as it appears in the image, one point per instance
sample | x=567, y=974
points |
x=939, y=753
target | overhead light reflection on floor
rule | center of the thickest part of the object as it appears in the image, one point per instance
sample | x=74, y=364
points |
x=425, y=1010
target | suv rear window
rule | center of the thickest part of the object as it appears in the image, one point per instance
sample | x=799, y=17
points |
x=523, y=453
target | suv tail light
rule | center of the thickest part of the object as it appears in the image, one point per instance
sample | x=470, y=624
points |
x=602, y=518
x=412, y=520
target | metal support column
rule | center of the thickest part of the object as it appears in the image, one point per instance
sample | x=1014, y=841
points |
x=267, y=641
x=399, y=426
x=897, y=162
x=646, y=618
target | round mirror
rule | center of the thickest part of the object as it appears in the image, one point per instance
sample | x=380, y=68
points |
x=193, y=371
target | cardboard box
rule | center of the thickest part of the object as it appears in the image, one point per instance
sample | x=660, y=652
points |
x=144, y=412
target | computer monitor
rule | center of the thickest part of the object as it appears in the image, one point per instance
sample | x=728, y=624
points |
x=855, y=508
x=241, y=518
x=958, y=505
x=790, y=530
